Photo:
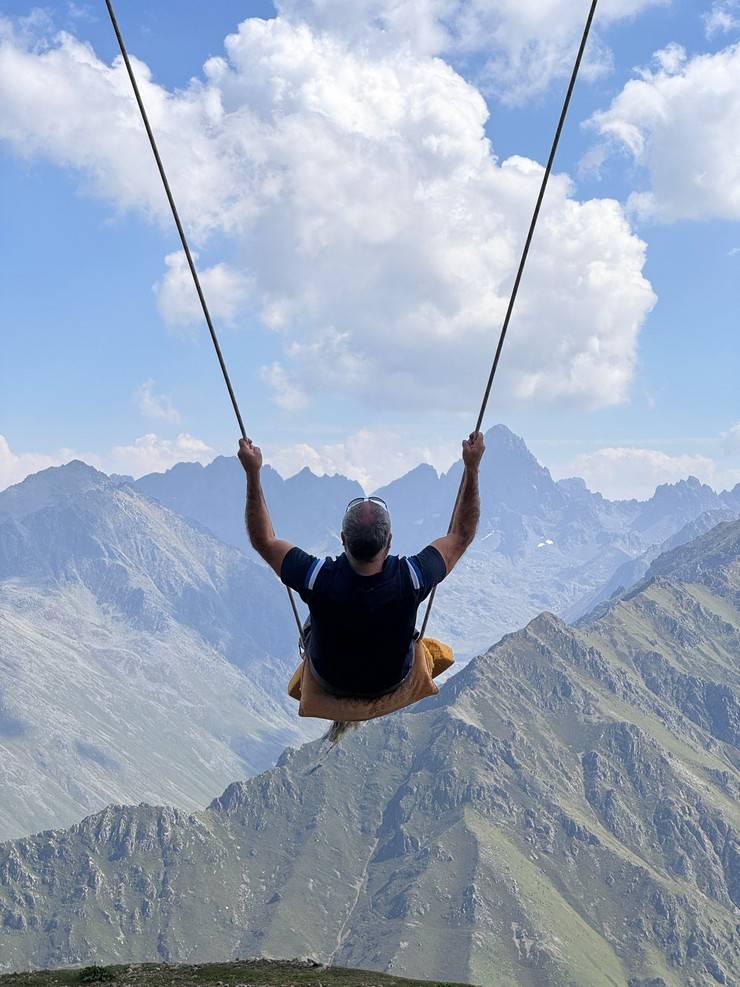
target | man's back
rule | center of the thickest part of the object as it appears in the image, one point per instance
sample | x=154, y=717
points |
x=363, y=604
x=362, y=626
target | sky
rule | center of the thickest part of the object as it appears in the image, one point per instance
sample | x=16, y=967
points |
x=356, y=181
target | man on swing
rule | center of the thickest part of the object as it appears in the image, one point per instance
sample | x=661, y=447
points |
x=360, y=634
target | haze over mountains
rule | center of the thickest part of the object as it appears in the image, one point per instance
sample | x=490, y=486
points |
x=144, y=654
x=541, y=545
x=140, y=657
x=565, y=812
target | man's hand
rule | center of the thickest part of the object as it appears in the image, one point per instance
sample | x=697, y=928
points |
x=250, y=456
x=473, y=449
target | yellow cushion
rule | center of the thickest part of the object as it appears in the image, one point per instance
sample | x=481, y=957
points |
x=431, y=658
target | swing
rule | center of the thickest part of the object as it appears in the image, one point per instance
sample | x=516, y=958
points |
x=431, y=657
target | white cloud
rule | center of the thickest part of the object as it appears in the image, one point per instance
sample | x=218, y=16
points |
x=681, y=122
x=147, y=454
x=373, y=224
x=517, y=46
x=225, y=289
x=154, y=405
x=152, y=454
x=373, y=457
x=622, y=473
x=16, y=466
x=723, y=17
x=286, y=393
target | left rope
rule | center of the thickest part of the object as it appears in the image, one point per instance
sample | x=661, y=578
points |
x=188, y=254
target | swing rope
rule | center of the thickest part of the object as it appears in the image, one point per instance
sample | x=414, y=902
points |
x=188, y=255
x=522, y=265
x=514, y=291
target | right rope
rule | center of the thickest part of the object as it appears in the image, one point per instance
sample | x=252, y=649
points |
x=523, y=261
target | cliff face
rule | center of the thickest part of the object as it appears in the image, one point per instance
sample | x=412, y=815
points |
x=565, y=812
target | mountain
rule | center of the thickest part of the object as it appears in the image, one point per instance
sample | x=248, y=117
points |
x=305, y=508
x=564, y=812
x=633, y=571
x=140, y=658
x=541, y=545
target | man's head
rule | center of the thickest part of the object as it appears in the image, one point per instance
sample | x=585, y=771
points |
x=366, y=530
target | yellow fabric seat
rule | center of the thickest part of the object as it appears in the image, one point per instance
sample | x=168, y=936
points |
x=431, y=659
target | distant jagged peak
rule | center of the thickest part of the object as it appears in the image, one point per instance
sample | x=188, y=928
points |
x=691, y=487
x=577, y=489
x=503, y=436
x=307, y=477
x=422, y=477
x=51, y=485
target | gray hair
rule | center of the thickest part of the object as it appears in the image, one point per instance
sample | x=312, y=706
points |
x=366, y=528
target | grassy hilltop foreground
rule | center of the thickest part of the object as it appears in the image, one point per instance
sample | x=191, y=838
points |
x=265, y=973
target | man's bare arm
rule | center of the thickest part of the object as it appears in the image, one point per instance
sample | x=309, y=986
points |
x=257, y=517
x=465, y=523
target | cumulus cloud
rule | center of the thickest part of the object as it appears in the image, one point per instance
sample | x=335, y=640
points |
x=517, y=46
x=153, y=405
x=680, y=121
x=152, y=454
x=372, y=227
x=286, y=393
x=622, y=473
x=723, y=17
x=225, y=289
x=147, y=454
x=16, y=466
x=373, y=457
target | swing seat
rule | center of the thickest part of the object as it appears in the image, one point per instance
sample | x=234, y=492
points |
x=431, y=658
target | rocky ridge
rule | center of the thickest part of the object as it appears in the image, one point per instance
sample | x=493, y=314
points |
x=541, y=544
x=565, y=812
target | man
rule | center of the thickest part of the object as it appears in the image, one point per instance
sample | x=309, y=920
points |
x=363, y=604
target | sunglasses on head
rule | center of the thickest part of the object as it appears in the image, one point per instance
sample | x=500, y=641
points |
x=371, y=500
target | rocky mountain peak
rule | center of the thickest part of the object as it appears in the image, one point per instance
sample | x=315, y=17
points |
x=50, y=486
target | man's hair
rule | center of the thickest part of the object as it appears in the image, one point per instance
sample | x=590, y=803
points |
x=366, y=528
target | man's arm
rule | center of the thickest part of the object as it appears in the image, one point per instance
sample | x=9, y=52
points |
x=259, y=526
x=465, y=522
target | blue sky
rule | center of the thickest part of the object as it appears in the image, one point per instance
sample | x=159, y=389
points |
x=94, y=359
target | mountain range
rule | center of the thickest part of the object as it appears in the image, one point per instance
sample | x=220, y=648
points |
x=564, y=812
x=140, y=657
x=144, y=648
x=542, y=544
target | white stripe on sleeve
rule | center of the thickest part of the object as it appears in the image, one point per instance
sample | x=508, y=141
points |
x=414, y=576
x=315, y=570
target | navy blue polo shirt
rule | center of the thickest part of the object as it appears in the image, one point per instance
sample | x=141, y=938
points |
x=362, y=627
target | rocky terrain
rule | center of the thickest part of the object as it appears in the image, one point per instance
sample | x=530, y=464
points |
x=542, y=545
x=565, y=812
x=140, y=658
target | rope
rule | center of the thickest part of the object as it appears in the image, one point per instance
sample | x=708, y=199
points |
x=514, y=291
x=522, y=264
x=188, y=254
